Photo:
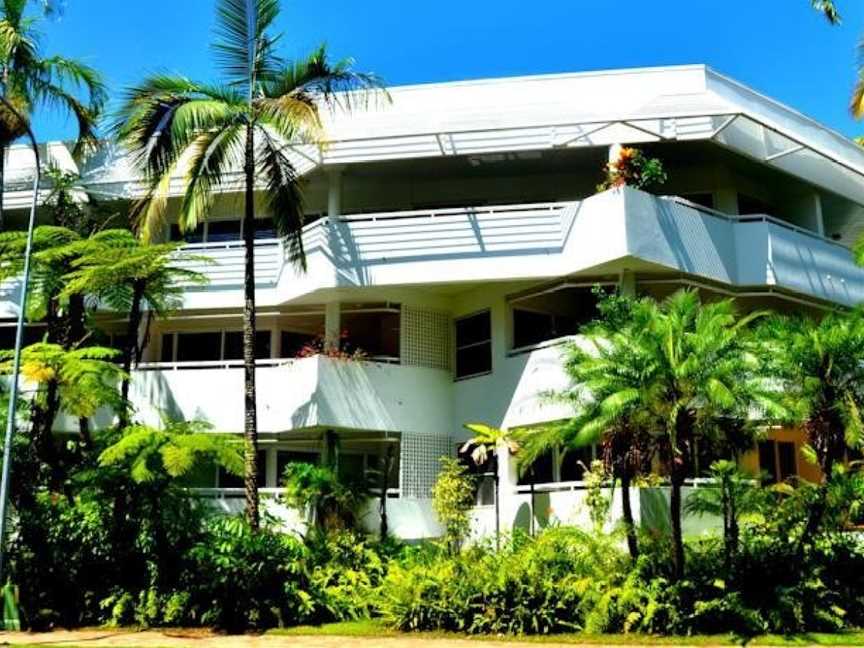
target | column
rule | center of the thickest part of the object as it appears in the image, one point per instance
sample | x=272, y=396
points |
x=627, y=283
x=334, y=191
x=332, y=324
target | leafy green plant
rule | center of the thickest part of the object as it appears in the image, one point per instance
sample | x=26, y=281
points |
x=318, y=491
x=633, y=168
x=249, y=579
x=598, y=501
x=452, y=500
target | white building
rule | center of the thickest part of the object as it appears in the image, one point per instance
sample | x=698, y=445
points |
x=454, y=236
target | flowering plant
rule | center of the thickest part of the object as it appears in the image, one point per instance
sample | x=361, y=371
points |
x=341, y=351
x=633, y=169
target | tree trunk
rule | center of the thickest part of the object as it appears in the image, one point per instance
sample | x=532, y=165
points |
x=627, y=510
x=677, y=535
x=130, y=350
x=497, y=510
x=250, y=430
x=382, y=502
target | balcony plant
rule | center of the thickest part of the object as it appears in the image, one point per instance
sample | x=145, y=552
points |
x=632, y=168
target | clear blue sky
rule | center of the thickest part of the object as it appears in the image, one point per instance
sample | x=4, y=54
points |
x=780, y=47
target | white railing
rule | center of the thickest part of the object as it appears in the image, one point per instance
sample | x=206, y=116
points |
x=238, y=364
x=268, y=492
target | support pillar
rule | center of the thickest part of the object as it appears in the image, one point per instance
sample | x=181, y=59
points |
x=627, y=284
x=332, y=325
x=334, y=191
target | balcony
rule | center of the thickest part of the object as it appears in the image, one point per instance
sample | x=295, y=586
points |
x=602, y=234
x=297, y=394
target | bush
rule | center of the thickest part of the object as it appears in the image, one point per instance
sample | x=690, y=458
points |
x=242, y=579
x=531, y=586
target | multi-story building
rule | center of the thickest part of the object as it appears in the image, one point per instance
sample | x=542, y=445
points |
x=454, y=236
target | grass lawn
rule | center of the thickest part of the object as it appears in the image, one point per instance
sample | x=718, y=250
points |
x=375, y=628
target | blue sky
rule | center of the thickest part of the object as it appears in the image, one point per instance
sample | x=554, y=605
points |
x=780, y=47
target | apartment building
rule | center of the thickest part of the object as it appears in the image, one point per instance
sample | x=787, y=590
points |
x=454, y=240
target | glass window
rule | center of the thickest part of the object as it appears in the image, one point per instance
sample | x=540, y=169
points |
x=786, y=459
x=750, y=205
x=542, y=471
x=225, y=230
x=264, y=228
x=198, y=347
x=553, y=314
x=484, y=477
x=234, y=345
x=227, y=480
x=777, y=460
x=375, y=333
x=167, y=348
x=190, y=236
x=352, y=468
x=293, y=342
x=574, y=462
x=474, y=345
x=32, y=335
x=704, y=199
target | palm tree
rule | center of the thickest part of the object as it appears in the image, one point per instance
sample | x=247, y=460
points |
x=819, y=364
x=30, y=80
x=487, y=443
x=828, y=9
x=603, y=370
x=661, y=378
x=204, y=132
x=732, y=495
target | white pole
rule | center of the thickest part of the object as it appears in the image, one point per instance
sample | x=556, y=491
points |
x=19, y=339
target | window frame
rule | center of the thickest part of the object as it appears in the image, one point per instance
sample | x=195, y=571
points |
x=222, y=331
x=456, y=348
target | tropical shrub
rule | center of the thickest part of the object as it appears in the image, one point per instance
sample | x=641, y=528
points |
x=452, y=500
x=246, y=579
x=530, y=586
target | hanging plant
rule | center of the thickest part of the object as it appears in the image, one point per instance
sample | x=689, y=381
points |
x=633, y=169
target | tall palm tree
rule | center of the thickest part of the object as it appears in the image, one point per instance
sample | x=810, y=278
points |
x=30, y=80
x=819, y=364
x=203, y=133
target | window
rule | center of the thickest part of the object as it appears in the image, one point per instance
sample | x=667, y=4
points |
x=198, y=347
x=474, y=345
x=705, y=199
x=293, y=342
x=264, y=228
x=574, y=462
x=374, y=332
x=552, y=314
x=234, y=345
x=190, y=236
x=226, y=230
x=227, y=480
x=32, y=335
x=750, y=205
x=211, y=346
x=542, y=471
x=777, y=460
x=484, y=477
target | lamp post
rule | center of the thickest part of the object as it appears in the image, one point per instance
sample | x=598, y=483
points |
x=19, y=339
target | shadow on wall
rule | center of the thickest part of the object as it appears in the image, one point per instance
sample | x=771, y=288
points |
x=542, y=510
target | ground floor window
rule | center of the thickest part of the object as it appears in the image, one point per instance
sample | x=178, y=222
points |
x=558, y=465
x=777, y=460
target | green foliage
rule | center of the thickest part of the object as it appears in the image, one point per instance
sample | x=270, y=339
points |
x=317, y=490
x=86, y=378
x=633, y=168
x=174, y=451
x=531, y=586
x=597, y=500
x=452, y=500
x=249, y=579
